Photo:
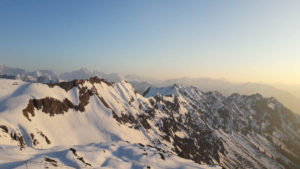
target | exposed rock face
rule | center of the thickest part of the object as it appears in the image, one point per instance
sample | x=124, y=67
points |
x=34, y=141
x=212, y=123
x=200, y=142
x=19, y=138
x=4, y=128
x=53, y=106
x=78, y=157
x=15, y=136
x=204, y=127
x=45, y=137
x=51, y=161
x=77, y=83
x=125, y=119
x=50, y=106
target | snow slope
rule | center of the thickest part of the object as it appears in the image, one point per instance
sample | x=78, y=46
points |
x=94, y=155
x=42, y=139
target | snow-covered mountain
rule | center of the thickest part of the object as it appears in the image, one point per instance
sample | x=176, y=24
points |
x=283, y=94
x=84, y=73
x=4, y=70
x=95, y=123
x=42, y=76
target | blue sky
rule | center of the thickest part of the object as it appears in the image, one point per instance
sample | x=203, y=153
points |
x=237, y=40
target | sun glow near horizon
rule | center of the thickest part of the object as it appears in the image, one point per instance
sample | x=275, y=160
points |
x=241, y=41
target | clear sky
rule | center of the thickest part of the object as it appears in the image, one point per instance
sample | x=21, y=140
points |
x=238, y=40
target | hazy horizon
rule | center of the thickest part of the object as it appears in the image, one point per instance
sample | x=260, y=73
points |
x=240, y=41
x=283, y=86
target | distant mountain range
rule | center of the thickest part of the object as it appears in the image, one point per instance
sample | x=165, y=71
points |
x=289, y=97
x=47, y=76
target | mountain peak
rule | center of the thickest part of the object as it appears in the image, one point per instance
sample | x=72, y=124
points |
x=165, y=91
x=86, y=70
